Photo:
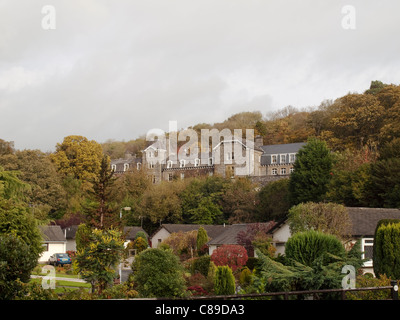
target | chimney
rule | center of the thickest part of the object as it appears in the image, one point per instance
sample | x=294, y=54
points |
x=258, y=141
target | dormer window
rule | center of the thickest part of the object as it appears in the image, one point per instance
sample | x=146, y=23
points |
x=114, y=167
x=274, y=159
x=283, y=158
x=292, y=157
x=169, y=164
x=182, y=163
x=210, y=161
x=126, y=166
x=196, y=162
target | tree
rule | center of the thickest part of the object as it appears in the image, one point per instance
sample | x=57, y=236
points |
x=306, y=247
x=386, y=255
x=329, y=218
x=78, y=157
x=182, y=242
x=224, y=281
x=158, y=273
x=253, y=231
x=97, y=260
x=99, y=211
x=273, y=201
x=234, y=256
x=17, y=261
x=201, y=240
x=312, y=173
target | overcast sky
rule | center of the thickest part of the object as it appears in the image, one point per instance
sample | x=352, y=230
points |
x=116, y=69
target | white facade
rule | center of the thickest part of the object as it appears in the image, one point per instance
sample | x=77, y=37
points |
x=159, y=237
x=52, y=248
x=279, y=238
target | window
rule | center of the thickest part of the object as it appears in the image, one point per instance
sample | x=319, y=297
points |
x=150, y=154
x=274, y=171
x=170, y=176
x=274, y=159
x=138, y=166
x=182, y=163
x=291, y=170
x=169, y=164
x=126, y=166
x=153, y=179
x=151, y=165
x=283, y=158
x=367, y=245
x=113, y=167
x=283, y=170
x=210, y=161
x=182, y=176
x=196, y=162
x=292, y=157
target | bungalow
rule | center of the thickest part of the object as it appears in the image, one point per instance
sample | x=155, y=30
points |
x=54, y=241
x=165, y=230
x=70, y=232
x=364, y=222
x=230, y=234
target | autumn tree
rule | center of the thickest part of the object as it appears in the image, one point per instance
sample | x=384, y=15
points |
x=329, y=218
x=78, y=157
x=231, y=255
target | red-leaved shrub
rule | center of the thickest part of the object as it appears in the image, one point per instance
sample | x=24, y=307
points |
x=234, y=256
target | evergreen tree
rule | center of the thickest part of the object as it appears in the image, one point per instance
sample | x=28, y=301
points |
x=312, y=173
x=224, y=281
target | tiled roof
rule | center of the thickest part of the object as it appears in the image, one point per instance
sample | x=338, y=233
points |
x=212, y=230
x=52, y=234
x=132, y=231
x=365, y=220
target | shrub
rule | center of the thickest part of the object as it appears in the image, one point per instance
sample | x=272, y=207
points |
x=234, y=256
x=245, y=277
x=368, y=281
x=202, y=239
x=201, y=264
x=224, y=282
x=306, y=247
x=386, y=255
x=158, y=273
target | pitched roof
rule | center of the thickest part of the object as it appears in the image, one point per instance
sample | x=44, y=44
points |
x=52, y=234
x=229, y=236
x=282, y=148
x=132, y=231
x=212, y=230
x=70, y=231
x=365, y=220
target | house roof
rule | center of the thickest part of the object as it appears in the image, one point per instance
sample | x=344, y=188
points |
x=52, y=234
x=365, y=220
x=282, y=148
x=132, y=231
x=212, y=230
x=70, y=231
x=229, y=236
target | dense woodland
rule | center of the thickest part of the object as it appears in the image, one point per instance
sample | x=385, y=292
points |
x=361, y=131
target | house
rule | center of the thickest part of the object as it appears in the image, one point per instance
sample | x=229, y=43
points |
x=54, y=241
x=261, y=163
x=230, y=235
x=130, y=233
x=364, y=222
x=165, y=230
x=70, y=232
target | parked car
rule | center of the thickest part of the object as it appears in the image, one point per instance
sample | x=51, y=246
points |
x=59, y=259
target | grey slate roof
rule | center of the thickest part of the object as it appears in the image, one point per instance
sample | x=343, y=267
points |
x=365, y=220
x=229, y=236
x=52, y=234
x=282, y=148
x=132, y=231
x=212, y=230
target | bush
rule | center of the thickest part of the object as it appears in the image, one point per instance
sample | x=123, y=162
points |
x=224, y=282
x=234, y=256
x=245, y=277
x=386, y=257
x=201, y=264
x=368, y=281
x=306, y=247
x=158, y=273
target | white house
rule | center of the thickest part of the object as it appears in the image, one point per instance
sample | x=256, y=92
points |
x=54, y=241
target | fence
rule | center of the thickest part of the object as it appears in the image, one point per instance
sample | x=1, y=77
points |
x=393, y=289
